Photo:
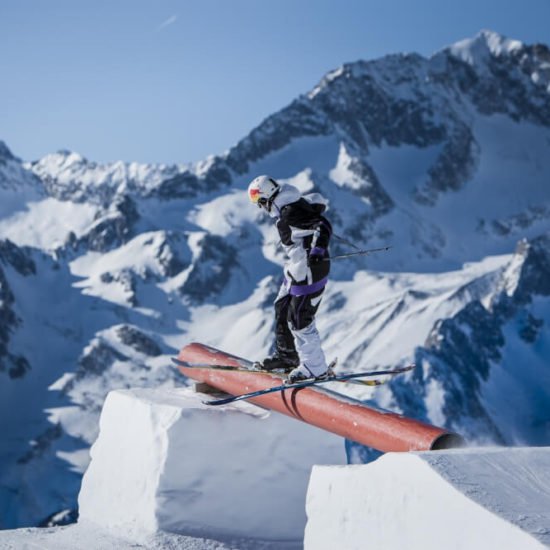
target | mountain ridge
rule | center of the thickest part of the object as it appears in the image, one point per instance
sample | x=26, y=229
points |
x=108, y=269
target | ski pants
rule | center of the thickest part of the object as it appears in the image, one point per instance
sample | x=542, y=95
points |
x=297, y=338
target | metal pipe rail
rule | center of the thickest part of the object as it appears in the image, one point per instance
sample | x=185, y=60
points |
x=377, y=428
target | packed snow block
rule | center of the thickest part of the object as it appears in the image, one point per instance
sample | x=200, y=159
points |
x=462, y=500
x=163, y=461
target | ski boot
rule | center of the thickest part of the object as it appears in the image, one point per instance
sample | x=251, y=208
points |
x=277, y=363
x=303, y=372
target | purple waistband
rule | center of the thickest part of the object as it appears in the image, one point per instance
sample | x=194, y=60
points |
x=304, y=290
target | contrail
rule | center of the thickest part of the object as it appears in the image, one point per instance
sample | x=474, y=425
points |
x=172, y=19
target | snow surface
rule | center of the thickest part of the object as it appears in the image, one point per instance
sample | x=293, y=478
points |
x=470, y=499
x=483, y=46
x=47, y=223
x=64, y=167
x=508, y=192
x=164, y=461
x=89, y=536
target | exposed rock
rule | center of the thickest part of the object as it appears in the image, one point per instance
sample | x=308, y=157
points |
x=185, y=185
x=42, y=443
x=461, y=351
x=361, y=99
x=453, y=168
x=111, y=229
x=96, y=359
x=535, y=272
x=169, y=254
x=299, y=119
x=180, y=186
x=16, y=366
x=372, y=191
x=211, y=270
x=134, y=338
x=19, y=259
x=530, y=328
x=499, y=76
x=69, y=176
x=127, y=279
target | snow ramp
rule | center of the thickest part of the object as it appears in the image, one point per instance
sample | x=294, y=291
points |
x=165, y=462
x=465, y=499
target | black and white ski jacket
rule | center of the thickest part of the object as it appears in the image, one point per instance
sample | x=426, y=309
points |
x=301, y=227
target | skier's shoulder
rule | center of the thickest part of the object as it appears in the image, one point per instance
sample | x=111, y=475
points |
x=288, y=194
x=303, y=210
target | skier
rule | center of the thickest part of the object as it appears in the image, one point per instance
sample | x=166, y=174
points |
x=305, y=235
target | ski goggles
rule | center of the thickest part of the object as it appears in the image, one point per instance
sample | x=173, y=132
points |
x=254, y=196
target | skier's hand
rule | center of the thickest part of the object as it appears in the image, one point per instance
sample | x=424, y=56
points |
x=316, y=255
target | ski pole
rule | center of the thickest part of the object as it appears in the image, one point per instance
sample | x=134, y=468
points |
x=345, y=241
x=359, y=253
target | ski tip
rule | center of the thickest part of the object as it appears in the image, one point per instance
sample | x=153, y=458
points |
x=223, y=401
x=179, y=362
x=210, y=403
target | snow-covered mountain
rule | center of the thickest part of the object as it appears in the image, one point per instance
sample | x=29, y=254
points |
x=107, y=270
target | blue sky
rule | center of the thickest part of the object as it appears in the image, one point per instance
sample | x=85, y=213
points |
x=174, y=81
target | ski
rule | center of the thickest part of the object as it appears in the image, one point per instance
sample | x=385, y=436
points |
x=307, y=383
x=255, y=370
x=209, y=366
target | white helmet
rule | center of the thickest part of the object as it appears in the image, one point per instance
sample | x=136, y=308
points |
x=262, y=191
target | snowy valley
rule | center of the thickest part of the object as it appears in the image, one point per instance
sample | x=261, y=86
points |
x=107, y=270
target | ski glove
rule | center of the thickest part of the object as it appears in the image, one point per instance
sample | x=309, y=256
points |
x=316, y=255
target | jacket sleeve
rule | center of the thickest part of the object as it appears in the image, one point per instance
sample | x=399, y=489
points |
x=323, y=232
x=296, y=267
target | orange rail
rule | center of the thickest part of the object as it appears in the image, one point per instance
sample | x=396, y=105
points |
x=349, y=418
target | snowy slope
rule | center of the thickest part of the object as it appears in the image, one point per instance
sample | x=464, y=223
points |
x=85, y=535
x=107, y=269
x=471, y=499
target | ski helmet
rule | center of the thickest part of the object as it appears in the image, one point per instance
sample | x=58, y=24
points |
x=262, y=191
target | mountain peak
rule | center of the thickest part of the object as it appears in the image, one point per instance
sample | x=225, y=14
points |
x=5, y=153
x=484, y=45
x=68, y=157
